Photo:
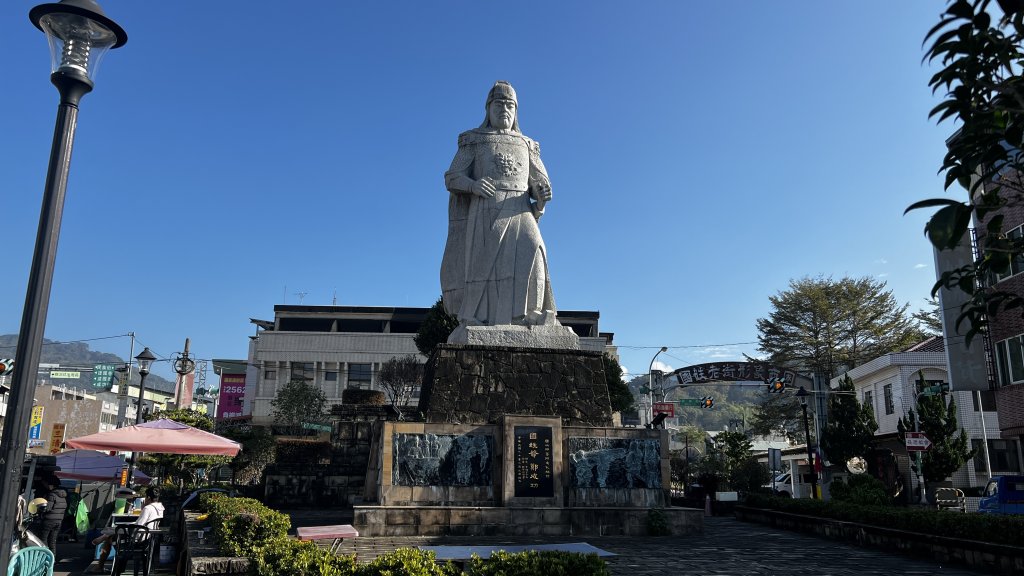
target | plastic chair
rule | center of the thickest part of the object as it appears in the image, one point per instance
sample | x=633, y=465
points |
x=133, y=542
x=32, y=561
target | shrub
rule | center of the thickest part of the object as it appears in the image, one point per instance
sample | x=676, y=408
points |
x=242, y=525
x=406, y=562
x=296, y=558
x=366, y=397
x=860, y=489
x=539, y=564
x=1007, y=530
x=657, y=525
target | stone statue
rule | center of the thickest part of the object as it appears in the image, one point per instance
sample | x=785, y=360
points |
x=495, y=270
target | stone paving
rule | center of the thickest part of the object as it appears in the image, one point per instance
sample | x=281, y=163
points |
x=727, y=547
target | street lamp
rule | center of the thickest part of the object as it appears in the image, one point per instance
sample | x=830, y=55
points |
x=650, y=383
x=145, y=360
x=79, y=34
x=802, y=394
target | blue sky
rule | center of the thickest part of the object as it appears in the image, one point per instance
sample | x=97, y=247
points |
x=702, y=154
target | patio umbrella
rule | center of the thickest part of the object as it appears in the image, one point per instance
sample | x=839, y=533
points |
x=161, y=436
x=92, y=466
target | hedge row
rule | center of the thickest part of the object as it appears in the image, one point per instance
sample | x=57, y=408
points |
x=1008, y=530
x=245, y=527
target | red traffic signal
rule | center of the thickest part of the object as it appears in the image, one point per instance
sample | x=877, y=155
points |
x=777, y=385
x=707, y=402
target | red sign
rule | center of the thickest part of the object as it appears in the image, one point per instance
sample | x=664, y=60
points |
x=666, y=408
x=232, y=390
x=917, y=442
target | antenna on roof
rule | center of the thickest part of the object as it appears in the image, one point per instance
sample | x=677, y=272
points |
x=301, y=295
x=334, y=300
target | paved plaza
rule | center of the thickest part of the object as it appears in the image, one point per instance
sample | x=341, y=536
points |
x=727, y=546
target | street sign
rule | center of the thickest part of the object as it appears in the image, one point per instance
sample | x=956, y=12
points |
x=917, y=442
x=695, y=402
x=103, y=376
x=666, y=408
x=35, y=425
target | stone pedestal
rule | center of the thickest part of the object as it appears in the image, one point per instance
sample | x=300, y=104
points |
x=541, y=336
x=472, y=384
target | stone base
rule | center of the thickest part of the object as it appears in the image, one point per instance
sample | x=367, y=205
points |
x=542, y=521
x=552, y=336
x=467, y=384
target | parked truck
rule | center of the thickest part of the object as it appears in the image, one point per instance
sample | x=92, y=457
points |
x=1003, y=495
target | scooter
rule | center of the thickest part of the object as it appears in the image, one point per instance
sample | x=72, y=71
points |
x=23, y=537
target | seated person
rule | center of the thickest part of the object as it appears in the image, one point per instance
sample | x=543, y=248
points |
x=152, y=513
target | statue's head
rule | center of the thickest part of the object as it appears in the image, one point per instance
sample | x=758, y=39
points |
x=502, y=108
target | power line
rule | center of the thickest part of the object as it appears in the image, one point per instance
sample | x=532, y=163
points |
x=620, y=346
x=74, y=341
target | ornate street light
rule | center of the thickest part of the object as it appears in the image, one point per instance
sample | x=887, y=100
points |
x=145, y=360
x=650, y=384
x=802, y=394
x=79, y=34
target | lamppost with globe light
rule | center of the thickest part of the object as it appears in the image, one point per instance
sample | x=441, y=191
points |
x=79, y=34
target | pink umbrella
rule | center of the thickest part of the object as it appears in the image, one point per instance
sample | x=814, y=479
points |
x=92, y=466
x=160, y=436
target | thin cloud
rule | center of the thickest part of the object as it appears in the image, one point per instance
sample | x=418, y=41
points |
x=919, y=266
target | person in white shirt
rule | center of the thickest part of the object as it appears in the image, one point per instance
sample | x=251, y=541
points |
x=150, y=516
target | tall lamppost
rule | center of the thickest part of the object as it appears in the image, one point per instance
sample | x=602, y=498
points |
x=145, y=360
x=650, y=384
x=79, y=34
x=802, y=394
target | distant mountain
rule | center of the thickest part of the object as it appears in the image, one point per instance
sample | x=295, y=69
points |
x=78, y=355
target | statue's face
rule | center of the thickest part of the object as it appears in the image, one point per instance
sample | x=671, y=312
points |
x=502, y=113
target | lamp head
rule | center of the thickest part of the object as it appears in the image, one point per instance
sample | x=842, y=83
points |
x=79, y=34
x=145, y=359
x=802, y=394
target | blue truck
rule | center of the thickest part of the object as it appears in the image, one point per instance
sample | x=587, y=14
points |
x=1003, y=495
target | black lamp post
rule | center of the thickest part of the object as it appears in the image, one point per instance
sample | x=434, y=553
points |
x=79, y=35
x=145, y=359
x=802, y=395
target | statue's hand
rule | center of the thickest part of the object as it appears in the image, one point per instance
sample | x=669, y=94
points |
x=542, y=191
x=484, y=188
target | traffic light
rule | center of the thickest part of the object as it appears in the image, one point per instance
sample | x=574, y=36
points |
x=6, y=365
x=777, y=385
x=707, y=402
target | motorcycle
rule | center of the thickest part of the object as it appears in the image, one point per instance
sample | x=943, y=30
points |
x=23, y=537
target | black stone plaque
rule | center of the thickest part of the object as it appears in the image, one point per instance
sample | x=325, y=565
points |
x=614, y=462
x=442, y=459
x=533, y=462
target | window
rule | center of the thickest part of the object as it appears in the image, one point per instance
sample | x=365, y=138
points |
x=330, y=376
x=869, y=400
x=302, y=370
x=887, y=392
x=270, y=374
x=1010, y=360
x=359, y=375
x=1017, y=263
x=1002, y=452
x=988, y=400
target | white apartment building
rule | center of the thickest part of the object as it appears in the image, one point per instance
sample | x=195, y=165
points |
x=889, y=385
x=340, y=347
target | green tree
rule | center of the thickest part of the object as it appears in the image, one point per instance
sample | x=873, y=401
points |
x=618, y=391
x=930, y=320
x=949, y=450
x=825, y=326
x=258, y=451
x=185, y=470
x=979, y=49
x=399, y=377
x=777, y=413
x=851, y=427
x=436, y=328
x=299, y=401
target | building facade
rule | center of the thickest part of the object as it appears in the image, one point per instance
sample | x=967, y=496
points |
x=341, y=347
x=889, y=385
